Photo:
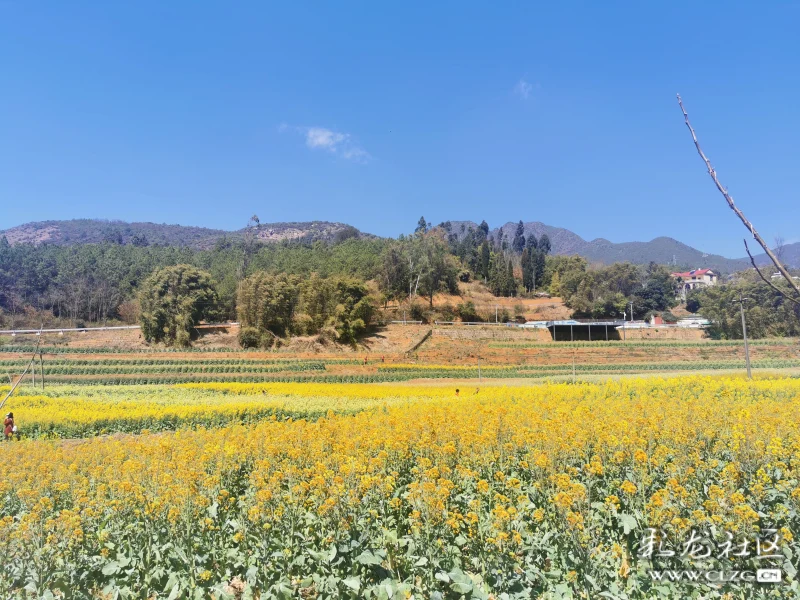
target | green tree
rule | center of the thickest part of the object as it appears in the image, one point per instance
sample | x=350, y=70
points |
x=527, y=272
x=555, y=285
x=354, y=309
x=113, y=236
x=482, y=233
x=173, y=300
x=501, y=276
x=519, y=238
x=139, y=240
x=394, y=272
x=437, y=269
x=485, y=260
x=657, y=292
x=606, y=291
x=767, y=312
x=268, y=302
x=422, y=264
x=538, y=261
x=249, y=245
x=497, y=271
x=544, y=244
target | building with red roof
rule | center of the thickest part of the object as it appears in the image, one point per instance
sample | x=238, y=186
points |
x=694, y=279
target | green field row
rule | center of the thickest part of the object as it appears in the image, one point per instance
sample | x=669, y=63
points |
x=28, y=348
x=404, y=374
x=21, y=362
x=68, y=369
x=781, y=342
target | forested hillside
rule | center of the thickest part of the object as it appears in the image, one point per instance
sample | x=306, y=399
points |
x=94, y=282
x=352, y=275
x=663, y=250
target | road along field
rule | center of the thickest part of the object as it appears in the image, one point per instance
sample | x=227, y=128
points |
x=318, y=490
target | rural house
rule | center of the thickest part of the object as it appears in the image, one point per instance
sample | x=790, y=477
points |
x=694, y=279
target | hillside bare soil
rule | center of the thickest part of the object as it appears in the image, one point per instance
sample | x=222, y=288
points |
x=533, y=309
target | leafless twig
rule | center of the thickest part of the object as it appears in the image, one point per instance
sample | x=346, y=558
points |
x=734, y=208
x=767, y=281
x=780, y=247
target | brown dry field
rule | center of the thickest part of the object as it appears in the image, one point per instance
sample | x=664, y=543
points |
x=446, y=348
x=534, y=309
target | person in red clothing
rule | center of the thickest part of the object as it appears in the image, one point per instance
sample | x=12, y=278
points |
x=8, y=426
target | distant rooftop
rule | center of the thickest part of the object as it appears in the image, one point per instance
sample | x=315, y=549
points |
x=694, y=273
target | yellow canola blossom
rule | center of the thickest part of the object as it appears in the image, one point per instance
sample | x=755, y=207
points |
x=685, y=386
x=80, y=411
x=514, y=480
x=66, y=411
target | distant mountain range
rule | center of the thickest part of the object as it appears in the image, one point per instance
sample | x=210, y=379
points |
x=95, y=231
x=664, y=250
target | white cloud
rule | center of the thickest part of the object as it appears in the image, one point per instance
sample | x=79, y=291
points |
x=319, y=137
x=523, y=89
x=328, y=140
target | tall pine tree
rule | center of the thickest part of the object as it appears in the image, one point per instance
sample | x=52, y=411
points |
x=519, y=238
x=483, y=232
x=526, y=273
x=485, y=260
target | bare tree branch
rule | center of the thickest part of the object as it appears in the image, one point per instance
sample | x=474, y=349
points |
x=767, y=281
x=733, y=206
x=780, y=247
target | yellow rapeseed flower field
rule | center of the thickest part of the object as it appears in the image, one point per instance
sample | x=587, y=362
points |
x=72, y=411
x=511, y=492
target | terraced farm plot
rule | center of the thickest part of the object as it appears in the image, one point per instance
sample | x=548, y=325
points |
x=104, y=368
x=499, y=359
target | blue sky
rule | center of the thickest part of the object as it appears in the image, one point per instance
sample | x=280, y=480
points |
x=373, y=114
